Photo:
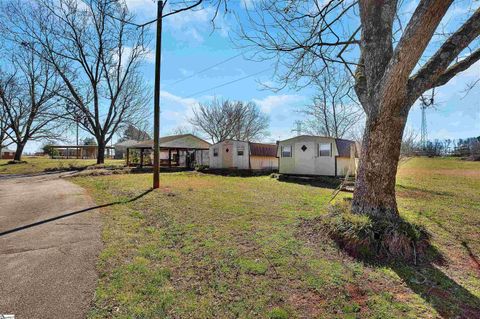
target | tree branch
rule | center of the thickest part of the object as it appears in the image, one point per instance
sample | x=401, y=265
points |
x=435, y=72
x=419, y=31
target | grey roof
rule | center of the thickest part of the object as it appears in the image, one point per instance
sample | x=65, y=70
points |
x=176, y=141
x=126, y=143
x=343, y=147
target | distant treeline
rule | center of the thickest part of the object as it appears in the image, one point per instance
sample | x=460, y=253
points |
x=468, y=148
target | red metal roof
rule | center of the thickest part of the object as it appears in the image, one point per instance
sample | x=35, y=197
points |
x=260, y=149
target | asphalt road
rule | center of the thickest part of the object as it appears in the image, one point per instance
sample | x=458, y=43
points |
x=47, y=262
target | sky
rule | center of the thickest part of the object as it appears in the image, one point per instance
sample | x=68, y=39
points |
x=191, y=45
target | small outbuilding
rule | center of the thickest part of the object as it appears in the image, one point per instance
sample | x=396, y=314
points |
x=317, y=156
x=233, y=154
x=6, y=153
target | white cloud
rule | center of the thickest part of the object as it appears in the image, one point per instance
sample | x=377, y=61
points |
x=196, y=24
x=142, y=6
x=192, y=25
x=272, y=102
x=184, y=102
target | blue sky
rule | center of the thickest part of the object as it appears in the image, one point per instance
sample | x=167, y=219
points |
x=190, y=46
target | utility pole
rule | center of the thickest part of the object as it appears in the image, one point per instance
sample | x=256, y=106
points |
x=156, y=105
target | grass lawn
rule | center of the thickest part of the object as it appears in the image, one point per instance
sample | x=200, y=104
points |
x=41, y=164
x=206, y=246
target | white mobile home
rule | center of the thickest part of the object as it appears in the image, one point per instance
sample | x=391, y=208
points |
x=232, y=154
x=317, y=156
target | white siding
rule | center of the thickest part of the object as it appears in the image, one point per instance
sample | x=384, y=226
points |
x=307, y=162
x=229, y=159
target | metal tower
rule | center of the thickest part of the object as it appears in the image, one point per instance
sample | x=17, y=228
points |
x=299, y=128
x=423, y=133
x=425, y=103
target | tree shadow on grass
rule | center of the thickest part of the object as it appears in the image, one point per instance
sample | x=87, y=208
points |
x=445, y=295
x=48, y=220
x=424, y=276
x=421, y=271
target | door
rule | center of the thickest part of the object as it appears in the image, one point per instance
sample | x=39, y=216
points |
x=227, y=153
x=304, y=155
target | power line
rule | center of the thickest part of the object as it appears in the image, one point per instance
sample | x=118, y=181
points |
x=204, y=70
x=226, y=83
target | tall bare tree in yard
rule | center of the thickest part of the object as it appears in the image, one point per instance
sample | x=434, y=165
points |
x=29, y=99
x=97, y=54
x=334, y=111
x=4, y=129
x=222, y=120
x=388, y=56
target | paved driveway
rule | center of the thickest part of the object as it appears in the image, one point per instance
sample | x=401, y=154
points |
x=47, y=262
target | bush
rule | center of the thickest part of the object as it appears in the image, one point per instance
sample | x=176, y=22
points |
x=361, y=236
x=49, y=150
x=200, y=168
x=278, y=313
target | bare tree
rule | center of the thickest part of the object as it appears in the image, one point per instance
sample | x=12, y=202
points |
x=222, y=120
x=409, y=145
x=135, y=133
x=29, y=99
x=4, y=131
x=96, y=52
x=334, y=112
x=388, y=55
x=184, y=129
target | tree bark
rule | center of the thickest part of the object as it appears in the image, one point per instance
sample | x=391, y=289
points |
x=101, y=151
x=374, y=193
x=19, y=152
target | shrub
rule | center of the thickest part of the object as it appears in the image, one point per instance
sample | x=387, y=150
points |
x=49, y=150
x=362, y=236
x=278, y=313
x=200, y=168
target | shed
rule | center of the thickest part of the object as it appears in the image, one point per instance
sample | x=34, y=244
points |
x=6, y=153
x=311, y=155
x=234, y=154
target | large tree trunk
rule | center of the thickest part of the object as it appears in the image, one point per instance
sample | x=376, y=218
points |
x=19, y=151
x=375, y=187
x=101, y=151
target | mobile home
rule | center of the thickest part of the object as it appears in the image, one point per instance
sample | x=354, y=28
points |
x=317, y=156
x=233, y=154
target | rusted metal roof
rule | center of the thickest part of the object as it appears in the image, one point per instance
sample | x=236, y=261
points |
x=260, y=149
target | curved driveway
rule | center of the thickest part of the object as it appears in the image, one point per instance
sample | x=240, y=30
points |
x=47, y=260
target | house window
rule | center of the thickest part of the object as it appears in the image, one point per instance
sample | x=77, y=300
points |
x=240, y=151
x=324, y=149
x=215, y=152
x=287, y=151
